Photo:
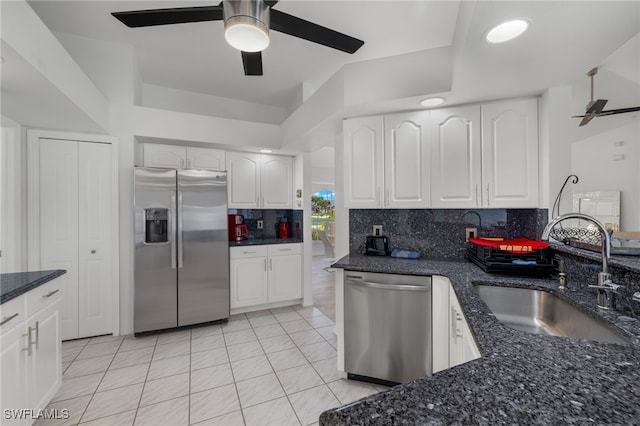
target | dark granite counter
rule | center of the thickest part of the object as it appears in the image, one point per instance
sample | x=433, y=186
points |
x=520, y=378
x=16, y=284
x=627, y=262
x=264, y=241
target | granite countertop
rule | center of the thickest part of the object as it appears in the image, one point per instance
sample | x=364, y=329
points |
x=16, y=284
x=628, y=262
x=520, y=378
x=264, y=241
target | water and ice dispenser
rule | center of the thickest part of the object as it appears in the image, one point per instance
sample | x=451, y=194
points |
x=156, y=227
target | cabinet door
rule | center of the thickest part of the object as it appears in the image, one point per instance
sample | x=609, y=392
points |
x=510, y=153
x=406, y=160
x=363, y=162
x=44, y=366
x=59, y=223
x=248, y=281
x=13, y=386
x=440, y=311
x=456, y=157
x=95, y=272
x=276, y=183
x=285, y=277
x=205, y=159
x=243, y=171
x=167, y=156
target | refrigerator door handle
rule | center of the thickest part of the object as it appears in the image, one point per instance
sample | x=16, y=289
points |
x=172, y=230
x=180, y=250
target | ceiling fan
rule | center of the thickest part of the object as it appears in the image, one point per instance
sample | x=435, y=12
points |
x=247, y=24
x=595, y=108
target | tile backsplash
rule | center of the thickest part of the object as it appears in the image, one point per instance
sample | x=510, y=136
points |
x=440, y=233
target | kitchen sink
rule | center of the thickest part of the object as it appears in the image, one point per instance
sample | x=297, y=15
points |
x=540, y=312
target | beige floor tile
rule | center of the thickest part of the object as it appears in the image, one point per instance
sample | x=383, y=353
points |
x=349, y=390
x=263, y=320
x=99, y=349
x=75, y=408
x=133, y=357
x=165, y=389
x=310, y=403
x=309, y=312
x=126, y=376
x=83, y=367
x=287, y=358
x=211, y=377
x=69, y=353
x=272, y=413
x=73, y=387
x=74, y=343
x=306, y=337
x=299, y=378
x=105, y=338
x=269, y=331
x=237, y=337
x=320, y=321
x=251, y=367
x=244, y=350
x=282, y=310
x=209, y=358
x=213, y=403
x=113, y=402
x=174, y=337
x=318, y=351
x=232, y=419
x=278, y=343
x=328, y=369
x=259, y=389
x=327, y=332
x=130, y=342
x=207, y=343
x=174, y=412
x=255, y=314
x=296, y=326
x=287, y=316
x=236, y=325
x=121, y=419
x=171, y=350
x=205, y=331
x=169, y=367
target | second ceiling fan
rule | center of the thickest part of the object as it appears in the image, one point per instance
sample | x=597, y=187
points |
x=247, y=24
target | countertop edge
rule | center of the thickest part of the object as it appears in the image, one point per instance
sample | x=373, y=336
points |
x=22, y=282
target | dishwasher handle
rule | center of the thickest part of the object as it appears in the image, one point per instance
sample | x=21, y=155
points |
x=357, y=281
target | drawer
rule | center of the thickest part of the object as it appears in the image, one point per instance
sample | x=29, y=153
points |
x=12, y=313
x=284, y=249
x=42, y=296
x=247, y=252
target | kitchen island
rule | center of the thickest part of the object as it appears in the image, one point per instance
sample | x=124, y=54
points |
x=520, y=378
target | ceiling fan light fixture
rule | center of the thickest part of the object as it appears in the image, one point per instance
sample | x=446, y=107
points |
x=431, y=102
x=246, y=25
x=507, y=31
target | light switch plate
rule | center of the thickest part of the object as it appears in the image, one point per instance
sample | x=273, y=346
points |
x=471, y=233
x=260, y=224
x=377, y=230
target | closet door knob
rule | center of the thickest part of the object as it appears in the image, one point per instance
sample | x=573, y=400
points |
x=93, y=251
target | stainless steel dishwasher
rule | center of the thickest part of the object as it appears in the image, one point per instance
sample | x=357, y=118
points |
x=387, y=326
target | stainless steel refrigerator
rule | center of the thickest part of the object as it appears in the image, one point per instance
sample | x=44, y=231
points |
x=181, y=248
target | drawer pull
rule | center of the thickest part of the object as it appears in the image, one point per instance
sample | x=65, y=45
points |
x=51, y=293
x=7, y=319
x=285, y=249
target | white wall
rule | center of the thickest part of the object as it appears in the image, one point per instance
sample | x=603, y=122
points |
x=610, y=161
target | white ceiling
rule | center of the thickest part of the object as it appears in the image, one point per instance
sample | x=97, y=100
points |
x=564, y=41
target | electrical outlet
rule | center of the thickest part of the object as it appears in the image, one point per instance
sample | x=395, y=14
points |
x=471, y=233
x=377, y=230
x=260, y=224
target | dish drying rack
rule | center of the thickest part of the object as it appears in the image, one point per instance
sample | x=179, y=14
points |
x=520, y=256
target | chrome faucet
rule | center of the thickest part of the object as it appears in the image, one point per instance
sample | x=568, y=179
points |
x=606, y=288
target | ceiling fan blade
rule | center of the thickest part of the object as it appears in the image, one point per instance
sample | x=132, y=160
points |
x=587, y=118
x=178, y=15
x=252, y=63
x=619, y=111
x=596, y=106
x=297, y=27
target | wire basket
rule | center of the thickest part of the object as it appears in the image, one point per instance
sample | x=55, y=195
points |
x=582, y=235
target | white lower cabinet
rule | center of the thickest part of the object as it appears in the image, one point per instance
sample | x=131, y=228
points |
x=265, y=274
x=30, y=353
x=453, y=342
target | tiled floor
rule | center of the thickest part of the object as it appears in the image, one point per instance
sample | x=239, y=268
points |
x=273, y=367
x=323, y=285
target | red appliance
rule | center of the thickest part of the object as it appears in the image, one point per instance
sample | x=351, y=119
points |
x=237, y=229
x=283, y=229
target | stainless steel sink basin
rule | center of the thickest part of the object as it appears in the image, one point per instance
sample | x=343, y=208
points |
x=540, y=312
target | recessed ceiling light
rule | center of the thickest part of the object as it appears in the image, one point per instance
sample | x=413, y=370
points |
x=431, y=102
x=266, y=151
x=507, y=31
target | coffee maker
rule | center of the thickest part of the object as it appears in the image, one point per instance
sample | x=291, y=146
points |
x=237, y=229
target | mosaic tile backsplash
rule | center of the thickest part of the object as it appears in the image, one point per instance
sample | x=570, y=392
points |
x=440, y=233
x=270, y=220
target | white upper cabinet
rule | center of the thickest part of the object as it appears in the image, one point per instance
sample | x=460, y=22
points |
x=456, y=174
x=363, y=162
x=386, y=161
x=510, y=153
x=406, y=160
x=182, y=157
x=259, y=181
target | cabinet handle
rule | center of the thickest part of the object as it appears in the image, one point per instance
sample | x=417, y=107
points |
x=51, y=293
x=285, y=249
x=265, y=265
x=248, y=252
x=37, y=334
x=28, y=348
x=7, y=319
x=271, y=264
x=488, y=197
x=453, y=322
